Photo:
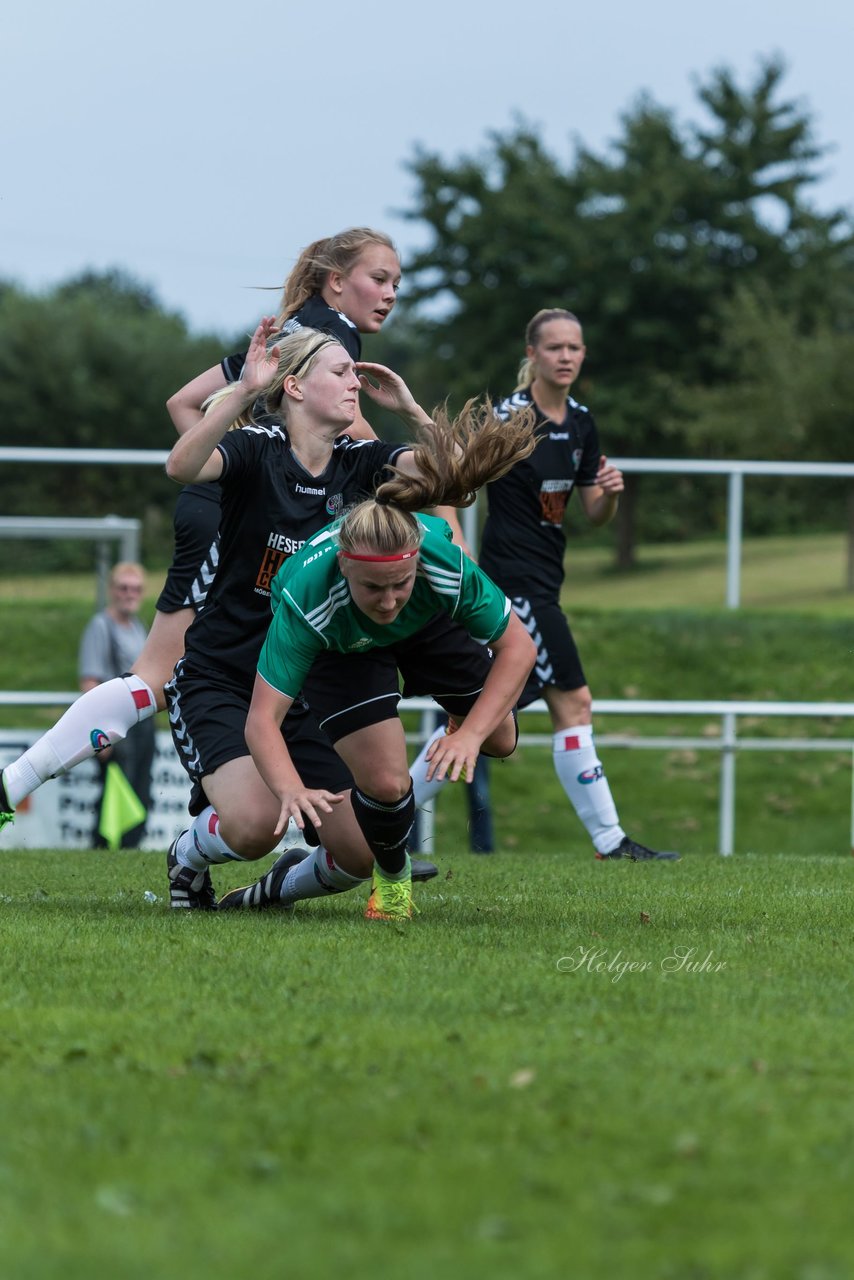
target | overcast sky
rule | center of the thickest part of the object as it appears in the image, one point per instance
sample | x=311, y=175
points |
x=199, y=145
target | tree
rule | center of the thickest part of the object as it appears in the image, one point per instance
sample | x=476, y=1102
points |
x=91, y=364
x=647, y=244
x=790, y=397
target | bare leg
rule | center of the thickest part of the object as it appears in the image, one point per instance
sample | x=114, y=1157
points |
x=163, y=648
x=246, y=813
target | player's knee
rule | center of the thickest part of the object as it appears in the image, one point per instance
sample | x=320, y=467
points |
x=250, y=837
x=384, y=783
x=575, y=707
x=583, y=706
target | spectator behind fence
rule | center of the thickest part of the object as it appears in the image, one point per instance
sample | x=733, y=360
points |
x=110, y=645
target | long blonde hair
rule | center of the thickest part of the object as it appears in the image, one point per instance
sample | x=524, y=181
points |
x=456, y=457
x=333, y=253
x=528, y=367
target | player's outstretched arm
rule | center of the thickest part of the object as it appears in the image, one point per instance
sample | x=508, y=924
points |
x=273, y=760
x=194, y=458
x=185, y=406
x=455, y=755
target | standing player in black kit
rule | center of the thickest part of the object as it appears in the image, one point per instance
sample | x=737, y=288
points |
x=523, y=549
x=343, y=285
x=283, y=479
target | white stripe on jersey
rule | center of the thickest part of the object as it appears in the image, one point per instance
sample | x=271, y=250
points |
x=489, y=639
x=520, y=400
x=258, y=429
x=444, y=582
x=298, y=610
x=321, y=615
x=318, y=539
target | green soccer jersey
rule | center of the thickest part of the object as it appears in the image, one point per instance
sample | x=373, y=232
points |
x=313, y=610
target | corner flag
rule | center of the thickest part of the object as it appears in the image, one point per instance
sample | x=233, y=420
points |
x=121, y=807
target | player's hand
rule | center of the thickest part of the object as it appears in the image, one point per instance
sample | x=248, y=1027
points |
x=305, y=803
x=609, y=478
x=454, y=756
x=261, y=365
x=386, y=388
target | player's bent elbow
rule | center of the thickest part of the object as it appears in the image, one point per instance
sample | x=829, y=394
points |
x=174, y=471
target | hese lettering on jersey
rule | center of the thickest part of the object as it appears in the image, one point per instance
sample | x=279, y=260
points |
x=279, y=547
x=554, y=495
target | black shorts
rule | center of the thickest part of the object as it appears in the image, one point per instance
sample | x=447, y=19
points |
x=196, y=553
x=208, y=719
x=349, y=691
x=558, y=663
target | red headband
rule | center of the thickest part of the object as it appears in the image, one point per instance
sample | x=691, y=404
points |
x=404, y=555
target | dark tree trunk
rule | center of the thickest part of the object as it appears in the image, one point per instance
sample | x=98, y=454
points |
x=625, y=525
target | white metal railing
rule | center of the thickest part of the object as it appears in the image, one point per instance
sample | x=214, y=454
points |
x=728, y=742
x=734, y=469
x=101, y=530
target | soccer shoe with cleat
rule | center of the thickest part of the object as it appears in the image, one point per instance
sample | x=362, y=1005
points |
x=422, y=870
x=265, y=891
x=628, y=848
x=7, y=813
x=390, y=899
x=189, y=890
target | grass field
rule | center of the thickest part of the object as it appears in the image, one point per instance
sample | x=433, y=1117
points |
x=634, y=646
x=804, y=573
x=561, y=1068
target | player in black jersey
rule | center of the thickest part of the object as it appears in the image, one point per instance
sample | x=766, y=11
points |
x=523, y=549
x=343, y=285
x=282, y=481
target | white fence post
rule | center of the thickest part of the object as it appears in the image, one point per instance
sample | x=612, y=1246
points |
x=726, y=824
x=735, y=520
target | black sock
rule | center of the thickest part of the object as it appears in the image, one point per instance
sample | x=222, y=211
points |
x=386, y=827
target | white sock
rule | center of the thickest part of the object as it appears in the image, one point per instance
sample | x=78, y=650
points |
x=317, y=876
x=202, y=845
x=583, y=779
x=424, y=790
x=97, y=719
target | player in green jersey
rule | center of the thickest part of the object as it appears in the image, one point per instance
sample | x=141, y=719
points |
x=375, y=581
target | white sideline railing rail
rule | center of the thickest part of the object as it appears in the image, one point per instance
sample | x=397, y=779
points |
x=734, y=469
x=728, y=742
x=102, y=530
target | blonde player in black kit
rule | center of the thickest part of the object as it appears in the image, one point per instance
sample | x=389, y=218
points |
x=282, y=480
x=523, y=548
x=344, y=285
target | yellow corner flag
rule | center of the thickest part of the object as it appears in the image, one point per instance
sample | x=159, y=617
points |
x=121, y=807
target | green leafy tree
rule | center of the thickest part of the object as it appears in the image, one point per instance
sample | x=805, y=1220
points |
x=790, y=398
x=90, y=365
x=647, y=243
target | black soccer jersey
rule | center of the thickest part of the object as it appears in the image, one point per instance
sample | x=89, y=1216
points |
x=313, y=314
x=270, y=506
x=523, y=541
